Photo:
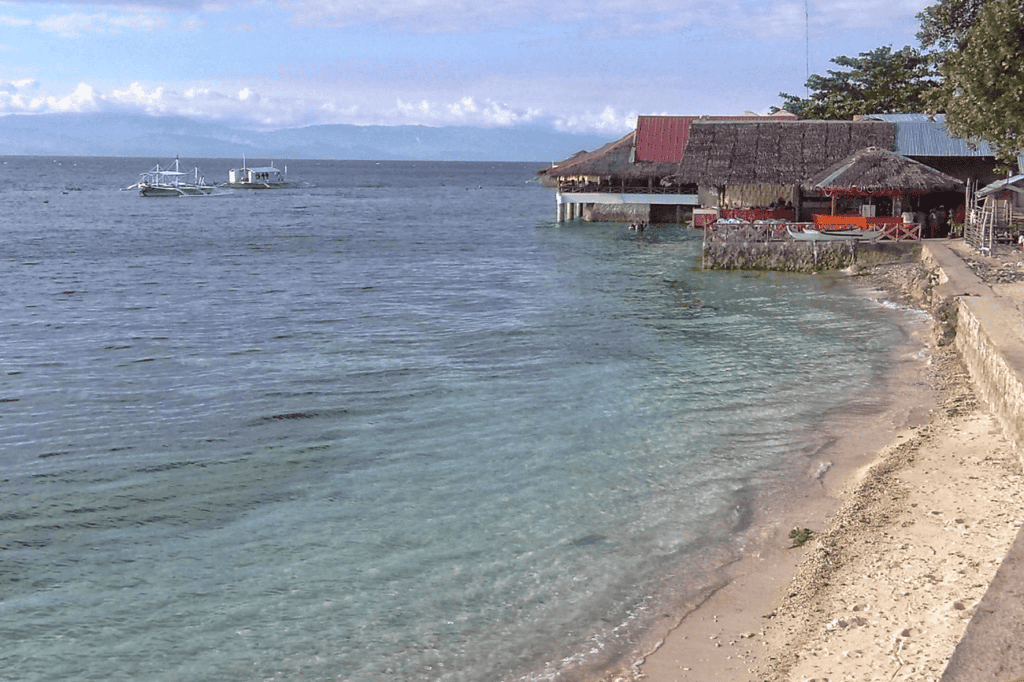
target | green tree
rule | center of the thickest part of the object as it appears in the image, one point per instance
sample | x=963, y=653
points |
x=983, y=93
x=877, y=82
x=944, y=25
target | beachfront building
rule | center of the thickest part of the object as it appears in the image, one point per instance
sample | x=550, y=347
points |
x=741, y=168
x=925, y=138
x=672, y=168
x=995, y=214
x=626, y=180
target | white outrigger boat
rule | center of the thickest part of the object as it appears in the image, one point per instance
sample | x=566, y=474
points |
x=840, y=234
x=172, y=182
x=266, y=177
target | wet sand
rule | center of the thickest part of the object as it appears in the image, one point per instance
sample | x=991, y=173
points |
x=908, y=531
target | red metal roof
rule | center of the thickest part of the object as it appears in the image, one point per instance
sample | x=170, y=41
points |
x=664, y=138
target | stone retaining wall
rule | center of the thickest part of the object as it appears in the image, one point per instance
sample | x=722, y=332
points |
x=799, y=256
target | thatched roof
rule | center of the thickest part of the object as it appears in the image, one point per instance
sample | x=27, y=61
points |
x=763, y=152
x=774, y=152
x=880, y=172
x=615, y=159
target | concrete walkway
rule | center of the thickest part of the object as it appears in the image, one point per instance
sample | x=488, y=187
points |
x=990, y=338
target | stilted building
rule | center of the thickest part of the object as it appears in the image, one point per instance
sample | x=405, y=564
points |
x=626, y=179
x=673, y=167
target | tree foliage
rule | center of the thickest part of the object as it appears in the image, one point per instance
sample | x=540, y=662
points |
x=983, y=92
x=877, y=82
x=944, y=25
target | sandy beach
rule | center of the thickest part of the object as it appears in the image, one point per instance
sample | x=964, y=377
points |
x=906, y=535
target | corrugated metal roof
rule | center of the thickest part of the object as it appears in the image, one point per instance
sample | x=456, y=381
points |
x=921, y=135
x=1013, y=183
x=663, y=138
x=897, y=118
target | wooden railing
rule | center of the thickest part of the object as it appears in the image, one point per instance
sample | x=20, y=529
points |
x=756, y=232
x=895, y=230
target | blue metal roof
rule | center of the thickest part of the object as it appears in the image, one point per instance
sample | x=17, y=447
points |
x=923, y=135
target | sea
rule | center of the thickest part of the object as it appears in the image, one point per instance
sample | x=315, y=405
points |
x=393, y=424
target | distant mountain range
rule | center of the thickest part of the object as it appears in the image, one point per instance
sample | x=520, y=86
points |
x=151, y=136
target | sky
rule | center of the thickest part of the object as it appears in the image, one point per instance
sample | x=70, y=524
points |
x=566, y=65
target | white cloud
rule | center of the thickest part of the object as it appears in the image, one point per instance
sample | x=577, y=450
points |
x=597, y=19
x=487, y=113
x=136, y=97
x=133, y=17
x=23, y=84
x=188, y=5
x=83, y=99
x=466, y=111
x=13, y=22
x=464, y=107
x=19, y=97
x=607, y=120
x=76, y=24
x=865, y=13
x=249, y=107
x=14, y=97
x=602, y=18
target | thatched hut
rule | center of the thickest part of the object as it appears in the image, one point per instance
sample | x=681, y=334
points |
x=611, y=184
x=743, y=162
x=927, y=139
x=628, y=179
x=612, y=167
x=741, y=165
x=872, y=173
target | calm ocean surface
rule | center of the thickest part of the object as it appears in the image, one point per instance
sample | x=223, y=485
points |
x=397, y=425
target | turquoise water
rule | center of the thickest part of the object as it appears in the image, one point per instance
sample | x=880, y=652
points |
x=397, y=424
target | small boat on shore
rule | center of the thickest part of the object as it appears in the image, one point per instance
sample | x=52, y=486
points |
x=834, y=234
x=172, y=182
x=265, y=177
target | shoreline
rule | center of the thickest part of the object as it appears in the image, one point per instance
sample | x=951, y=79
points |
x=907, y=534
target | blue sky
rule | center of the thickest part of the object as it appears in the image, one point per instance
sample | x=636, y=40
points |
x=568, y=65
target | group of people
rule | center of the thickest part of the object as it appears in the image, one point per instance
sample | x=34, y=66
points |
x=780, y=204
x=936, y=222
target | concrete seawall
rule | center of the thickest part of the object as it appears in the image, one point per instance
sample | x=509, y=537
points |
x=990, y=338
x=747, y=247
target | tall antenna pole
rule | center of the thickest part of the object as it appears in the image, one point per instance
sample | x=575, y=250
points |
x=807, y=28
